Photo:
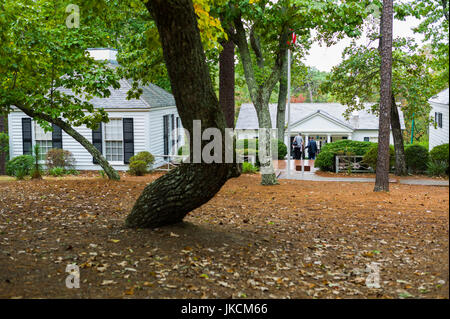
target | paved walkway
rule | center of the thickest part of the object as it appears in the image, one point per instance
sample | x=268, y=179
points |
x=308, y=176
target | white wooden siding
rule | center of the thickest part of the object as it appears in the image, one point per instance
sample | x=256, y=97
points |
x=148, y=135
x=439, y=135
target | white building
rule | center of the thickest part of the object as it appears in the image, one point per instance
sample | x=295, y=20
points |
x=438, y=130
x=323, y=121
x=150, y=123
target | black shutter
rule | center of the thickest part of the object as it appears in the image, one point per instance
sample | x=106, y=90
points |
x=166, y=134
x=128, y=139
x=440, y=120
x=56, y=137
x=97, y=140
x=172, y=138
x=26, y=136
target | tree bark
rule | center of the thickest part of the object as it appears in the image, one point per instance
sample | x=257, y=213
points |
x=109, y=170
x=400, y=163
x=172, y=196
x=281, y=108
x=227, y=82
x=382, y=170
x=2, y=154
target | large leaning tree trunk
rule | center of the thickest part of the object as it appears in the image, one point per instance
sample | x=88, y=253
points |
x=382, y=170
x=281, y=107
x=171, y=197
x=109, y=170
x=2, y=154
x=400, y=162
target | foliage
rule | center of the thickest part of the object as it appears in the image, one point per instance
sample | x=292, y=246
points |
x=4, y=143
x=437, y=168
x=183, y=150
x=371, y=156
x=138, y=167
x=440, y=153
x=140, y=162
x=57, y=157
x=36, y=173
x=326, y=158
x=248, y=168
x=102, y=173
x=56, y=171
x=20, y=166
x=416, y=157
x=145, y=156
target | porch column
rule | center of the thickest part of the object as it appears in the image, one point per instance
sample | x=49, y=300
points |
x=349, y=136
x=328, y=138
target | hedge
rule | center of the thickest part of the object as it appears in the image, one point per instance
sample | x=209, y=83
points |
x=326, y=158
x=416, y=158
x=440, y=154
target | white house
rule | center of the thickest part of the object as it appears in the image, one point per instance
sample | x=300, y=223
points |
x=150, y=123
x=439, y=112
x=323, y=121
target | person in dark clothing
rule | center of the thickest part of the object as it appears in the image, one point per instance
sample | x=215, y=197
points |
x=297, y=144
x=312, y=148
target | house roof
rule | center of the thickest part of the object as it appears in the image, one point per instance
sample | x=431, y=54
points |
x=441, y=97
x=301, y=111
x=152, y=97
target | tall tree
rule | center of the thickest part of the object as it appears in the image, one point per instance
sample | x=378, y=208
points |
x=261, y=30
x=168, y=199
x=382, y=170
x=227, y=81
x=46, y=72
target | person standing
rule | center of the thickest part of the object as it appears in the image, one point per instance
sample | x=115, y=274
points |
x=297, y=144
x=312, y=149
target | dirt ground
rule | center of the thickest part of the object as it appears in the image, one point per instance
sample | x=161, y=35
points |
x=296, y=240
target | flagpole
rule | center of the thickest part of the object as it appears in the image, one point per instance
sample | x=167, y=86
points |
x=289, y=111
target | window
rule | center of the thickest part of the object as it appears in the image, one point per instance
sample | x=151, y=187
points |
x=366, y=139
x=438, y=119
x=114, y=140
x=43, y=139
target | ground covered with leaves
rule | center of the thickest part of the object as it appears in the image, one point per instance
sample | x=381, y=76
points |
x=296, y=240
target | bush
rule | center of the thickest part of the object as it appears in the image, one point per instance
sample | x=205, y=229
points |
x=251, y=151
x=140, y=162
x=138, y=168
x=325, y=160
x=440, y=153
x=20, y=166
x=56, y=171
x=71, y=171
x=371, y=157
x=417, y=158
x=437, y=168
x=145, y=156
x=248, y=168
x=57, y=157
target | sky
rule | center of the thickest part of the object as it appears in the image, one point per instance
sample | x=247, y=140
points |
x=324, y=58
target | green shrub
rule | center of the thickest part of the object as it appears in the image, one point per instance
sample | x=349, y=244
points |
x=144, y=156
x=248, y=168
x=102, y=173
x=71, y=171
x=437, y=168
x=325, y=160
x=56, y=171
x=440, y=153
x=417, y=158
x=140, y=162
x=371, y=157
x=57, y=157
x=250, y=151
x=138, y=168
x=20, y=165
